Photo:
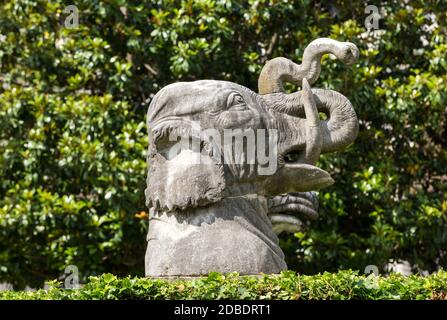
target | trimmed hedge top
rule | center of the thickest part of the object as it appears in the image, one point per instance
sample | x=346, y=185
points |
x=288, y=285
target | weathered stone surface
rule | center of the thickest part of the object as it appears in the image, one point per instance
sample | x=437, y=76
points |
x=214, y=206
x=233, y=235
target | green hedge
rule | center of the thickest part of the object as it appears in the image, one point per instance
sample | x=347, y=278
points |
x=288, y=285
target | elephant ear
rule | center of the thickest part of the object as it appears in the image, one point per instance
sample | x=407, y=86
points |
x=189, y=179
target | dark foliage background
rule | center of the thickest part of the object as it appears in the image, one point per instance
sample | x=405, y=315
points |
x=73, y=138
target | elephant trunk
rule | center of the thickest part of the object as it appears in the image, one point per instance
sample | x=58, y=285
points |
x=338, y=131
x=302, y=134
x=342, y=125
x=280, y=70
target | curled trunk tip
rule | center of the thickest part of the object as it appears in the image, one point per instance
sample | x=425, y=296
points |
x=279, y=70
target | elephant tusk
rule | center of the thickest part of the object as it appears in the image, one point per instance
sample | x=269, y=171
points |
x=314, y=140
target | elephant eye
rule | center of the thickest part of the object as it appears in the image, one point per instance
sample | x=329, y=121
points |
x=235, y=102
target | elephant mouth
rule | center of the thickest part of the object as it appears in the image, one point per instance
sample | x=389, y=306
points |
x=291, y=212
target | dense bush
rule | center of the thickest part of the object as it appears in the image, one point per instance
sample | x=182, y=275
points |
x=287, y=286
x=73, y=139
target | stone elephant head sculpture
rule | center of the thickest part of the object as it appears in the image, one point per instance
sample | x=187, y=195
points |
x=225, y=162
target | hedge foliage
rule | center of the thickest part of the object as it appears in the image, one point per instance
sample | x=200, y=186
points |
x=73, y=139
x=286, y=286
